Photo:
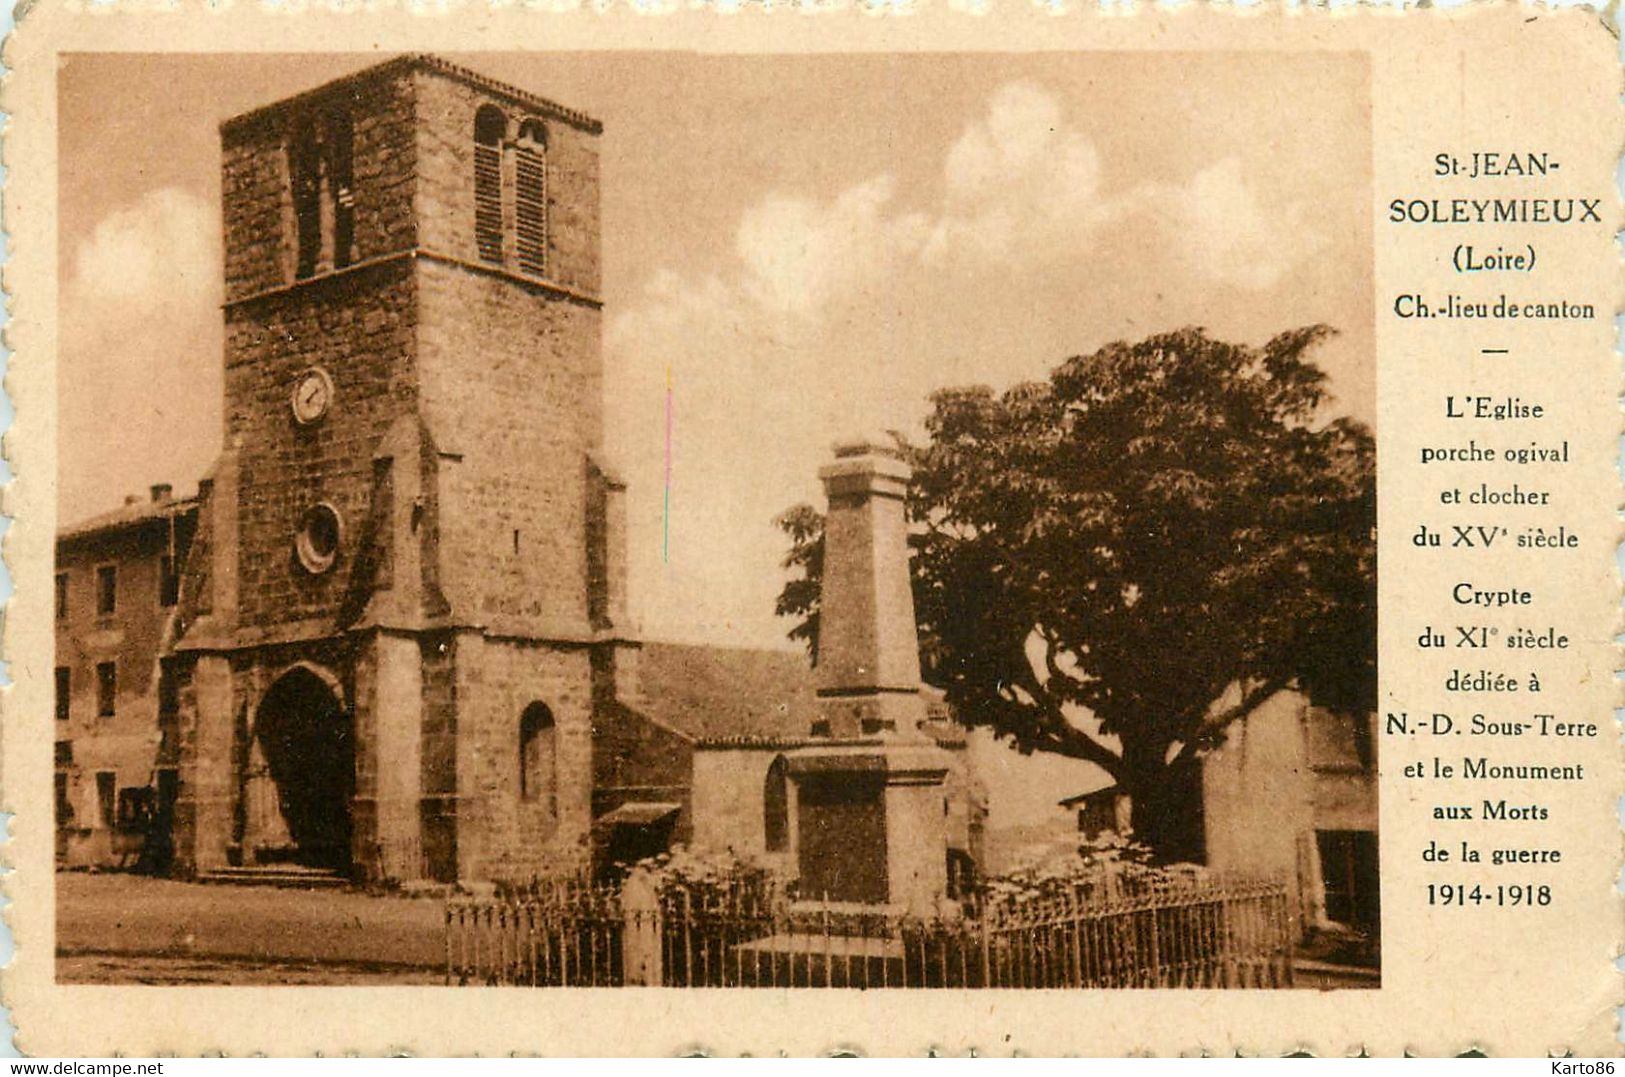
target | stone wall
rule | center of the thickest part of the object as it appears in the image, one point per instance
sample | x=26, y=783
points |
x=389, y=705
x=729, y=788
x=359, y=328
x=512, y=388
x=606, y=551
x=437, y=755
x=1272, y=785
x=500, y=835
x=203, y=815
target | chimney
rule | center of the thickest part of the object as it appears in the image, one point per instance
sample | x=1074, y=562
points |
x=161, y=491
x=868, y=673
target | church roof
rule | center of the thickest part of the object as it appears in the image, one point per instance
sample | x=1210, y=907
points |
x=749, y=697
x=728, y=694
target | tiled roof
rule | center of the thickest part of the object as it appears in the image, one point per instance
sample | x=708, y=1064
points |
x=1104, y=792
x=728, y=693
x=128, y=516
x=640, y=813
x=750, y=698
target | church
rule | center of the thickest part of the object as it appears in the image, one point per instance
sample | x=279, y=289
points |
x=397, y=647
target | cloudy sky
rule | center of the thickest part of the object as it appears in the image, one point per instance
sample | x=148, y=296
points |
x=804, y=246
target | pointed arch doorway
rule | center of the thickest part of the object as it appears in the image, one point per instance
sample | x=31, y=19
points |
x=303, y=734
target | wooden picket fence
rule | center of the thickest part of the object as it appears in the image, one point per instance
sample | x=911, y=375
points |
x=1204, y=933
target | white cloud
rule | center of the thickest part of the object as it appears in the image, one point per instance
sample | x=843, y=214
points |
x=140, y=362
x=163, y=245
x=1020, y=182
x=1232, y=235
x=835, y=316
x=798, y=256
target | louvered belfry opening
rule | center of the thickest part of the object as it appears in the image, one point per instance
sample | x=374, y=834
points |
x=490, y=127
x=321, y=170
x=305, y=166
x=341, y=182
x=530, y=198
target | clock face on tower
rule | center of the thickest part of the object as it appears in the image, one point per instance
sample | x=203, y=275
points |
x=312, y=396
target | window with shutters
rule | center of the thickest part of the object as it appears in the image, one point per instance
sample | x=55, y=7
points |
x=1348, y=872
x=106, y=689
x=490, y=128
x=106, y=590
x=169, y=695
x=169, y=582
x=106, y=797
x=530, y=198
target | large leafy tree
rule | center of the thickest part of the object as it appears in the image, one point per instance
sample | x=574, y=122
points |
x=1119, y=562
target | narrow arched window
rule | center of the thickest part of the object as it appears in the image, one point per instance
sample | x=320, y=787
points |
x=537, y=756
x=776, y=807
x=490, y=128
x=530, y=198
x=305, y=174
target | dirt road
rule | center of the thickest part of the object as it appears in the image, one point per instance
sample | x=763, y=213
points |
x=127, y=928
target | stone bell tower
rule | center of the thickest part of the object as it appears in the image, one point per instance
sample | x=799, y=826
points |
x=409, y=565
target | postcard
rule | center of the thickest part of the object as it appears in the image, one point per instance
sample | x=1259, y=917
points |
x=976, y=529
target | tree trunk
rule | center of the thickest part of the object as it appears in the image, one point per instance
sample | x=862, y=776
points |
x=1165, y=805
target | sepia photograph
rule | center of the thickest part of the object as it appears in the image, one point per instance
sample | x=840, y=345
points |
x=671, y=519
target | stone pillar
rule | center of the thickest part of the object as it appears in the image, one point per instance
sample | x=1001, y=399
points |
x=389, y=747
x=916, y=830
x=641, y=950
x=473, y=823
x=868, y=671
x=224, y=541
x=437, y=767
x=207, y=778
x=606, y=533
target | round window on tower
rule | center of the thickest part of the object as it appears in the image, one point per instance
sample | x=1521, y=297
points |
x=319, y=536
